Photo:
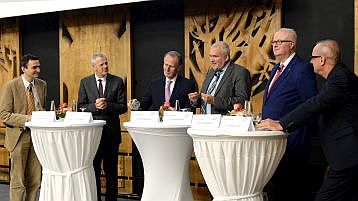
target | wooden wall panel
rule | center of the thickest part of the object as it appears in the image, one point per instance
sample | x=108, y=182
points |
x=84, y=32
x=248, y=28
x=9, y=68
x=9, y=49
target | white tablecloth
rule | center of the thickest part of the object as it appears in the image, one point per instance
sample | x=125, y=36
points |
x=165, y=152
x=236, y=166
x=66, y=153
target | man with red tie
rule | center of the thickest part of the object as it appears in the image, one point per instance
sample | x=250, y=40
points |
x=292, y=81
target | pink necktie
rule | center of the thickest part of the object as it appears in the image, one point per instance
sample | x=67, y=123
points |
x=167, y=91
x=278, y=73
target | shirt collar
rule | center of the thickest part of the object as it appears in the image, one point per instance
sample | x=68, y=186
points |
x=173, y=80
x=27, y=83
x=287, y=61
x=102, y=78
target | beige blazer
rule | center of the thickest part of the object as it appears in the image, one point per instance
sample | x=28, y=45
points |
x=13, y=107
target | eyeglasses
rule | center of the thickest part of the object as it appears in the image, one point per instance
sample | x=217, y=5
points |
x=279, y=42
x=315, y=56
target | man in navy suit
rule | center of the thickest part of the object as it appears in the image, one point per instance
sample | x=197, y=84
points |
x=103, y=94
x=170, y=87
x=337, y=108
x=292, y=81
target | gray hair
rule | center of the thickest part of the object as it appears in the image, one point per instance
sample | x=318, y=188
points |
x=176, y=54
x=225, y=49
x=98, y=54
x=292, y=33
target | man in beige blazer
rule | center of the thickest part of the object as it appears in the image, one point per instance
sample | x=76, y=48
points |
x=25, y=173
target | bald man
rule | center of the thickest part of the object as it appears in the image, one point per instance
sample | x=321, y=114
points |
x=337, y=108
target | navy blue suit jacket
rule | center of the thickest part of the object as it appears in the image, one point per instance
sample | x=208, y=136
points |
x=154, y=96
x=295, y=85
x=337, y=105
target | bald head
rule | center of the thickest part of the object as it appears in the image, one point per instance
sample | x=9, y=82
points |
x=330, y=49
x=325, y=55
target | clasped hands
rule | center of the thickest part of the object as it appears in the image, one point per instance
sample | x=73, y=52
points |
x=207, y=98
x=101, y=103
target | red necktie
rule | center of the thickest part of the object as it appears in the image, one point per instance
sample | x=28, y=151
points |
x=278, y=73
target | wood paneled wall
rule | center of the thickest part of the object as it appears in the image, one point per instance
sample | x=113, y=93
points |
x=9, y=68
x=84, y=32
x=248, y=28
x=9, y=49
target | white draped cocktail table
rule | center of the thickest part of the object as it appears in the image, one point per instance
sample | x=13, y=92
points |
x=237, y=165
x=66, y=153
x=165, y=152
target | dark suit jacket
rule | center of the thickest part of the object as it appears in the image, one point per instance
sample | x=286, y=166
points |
x=154, y=96
x=116, y=102
x=295, y=85
x=13, y=108
x=337, y=105
x=234, y=87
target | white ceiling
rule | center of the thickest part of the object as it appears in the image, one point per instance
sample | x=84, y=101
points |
x=11, y=8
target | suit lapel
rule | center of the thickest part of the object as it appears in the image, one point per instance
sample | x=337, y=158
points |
x=274, y=69
x=161, y=89
x=176, y=88
x=92, y=85
x=207, y=81
x=108, y=85
x=224, y=78
x=39, y=91
x=21, y=93
x=281, y=78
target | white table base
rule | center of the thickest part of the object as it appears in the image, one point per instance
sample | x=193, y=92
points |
x=66, y=156
x=166, y=155
x=236, y=168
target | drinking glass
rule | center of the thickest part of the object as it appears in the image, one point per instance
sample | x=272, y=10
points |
x=134, y=104
x=82, y=108
x=256, y=118
x=248, y=108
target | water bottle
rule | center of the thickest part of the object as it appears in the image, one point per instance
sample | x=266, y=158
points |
x=52, y=106
x=177, y=106
x=74, y=106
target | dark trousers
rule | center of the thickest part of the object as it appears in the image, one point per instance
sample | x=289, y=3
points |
x=108, y=154
x=341, y=185
x=290, y=181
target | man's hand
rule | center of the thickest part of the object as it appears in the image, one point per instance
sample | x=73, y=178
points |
x=193, y=97
x=207, y=98
x=28, y=118
x=101, y=103
x=269, y=124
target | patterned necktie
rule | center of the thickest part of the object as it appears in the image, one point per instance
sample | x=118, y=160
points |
x=214, y=83
x=278, y=73
x=167, y=91
x=211, y=89
x=30, y=100
x=100, y=88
